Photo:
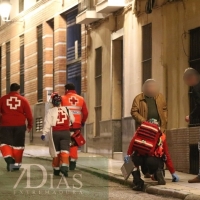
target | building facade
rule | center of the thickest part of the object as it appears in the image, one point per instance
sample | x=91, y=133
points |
x=107, y=48
x=127, y=43
x=40, y=48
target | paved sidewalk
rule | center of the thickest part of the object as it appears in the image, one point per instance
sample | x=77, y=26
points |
x=109, y=168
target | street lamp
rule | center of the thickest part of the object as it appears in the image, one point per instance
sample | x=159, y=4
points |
x=5, y=8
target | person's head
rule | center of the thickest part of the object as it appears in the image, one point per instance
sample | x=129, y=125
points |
x=69, y=86
x=14, y=87
x=150, y=88
x=191, y=77
x=56, y=99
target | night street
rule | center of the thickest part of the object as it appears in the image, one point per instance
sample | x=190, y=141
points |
x=80, y=185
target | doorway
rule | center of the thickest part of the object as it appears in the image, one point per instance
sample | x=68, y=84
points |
x=117, y=93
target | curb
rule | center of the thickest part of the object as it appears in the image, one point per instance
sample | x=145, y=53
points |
x=148, y=188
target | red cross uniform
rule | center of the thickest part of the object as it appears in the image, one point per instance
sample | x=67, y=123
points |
x=56, y=126
x=15, y=111
x=78, y=107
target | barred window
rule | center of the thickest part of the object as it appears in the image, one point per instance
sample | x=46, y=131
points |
x=98, y=88
x=39, y=63
x=22, y=64
x=8, y=67
x=146, y=52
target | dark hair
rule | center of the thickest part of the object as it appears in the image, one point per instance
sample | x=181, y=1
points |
x=14, y=87
x=69, y=86
x=56, y=99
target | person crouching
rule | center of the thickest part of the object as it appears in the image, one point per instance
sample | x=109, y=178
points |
x=56, y=125
x=154, y=163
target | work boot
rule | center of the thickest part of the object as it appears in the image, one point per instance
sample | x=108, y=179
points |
x=137, y=181
x=159, y=176
x=64, y=170
x=15, y=167
x=10, y=161
x=56, y=172
x=72, y=165
x=194, y=180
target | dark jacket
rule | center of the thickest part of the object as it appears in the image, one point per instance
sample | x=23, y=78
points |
x=195, y=113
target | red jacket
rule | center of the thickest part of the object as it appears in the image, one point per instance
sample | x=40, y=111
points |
x=15, y=110
x=77, y=105
x=169, y=162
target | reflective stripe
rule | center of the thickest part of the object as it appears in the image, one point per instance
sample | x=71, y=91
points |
x=76, y=112
x=7, y=156
x=63, y=164
x=57, y=168
x=18, y=148
x=73, y=160
x=3, y=145
x=17, y=165
x=74, y=107
x=64, y=151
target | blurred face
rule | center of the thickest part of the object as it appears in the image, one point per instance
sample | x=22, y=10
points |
x=150, y=89
x=192, y=80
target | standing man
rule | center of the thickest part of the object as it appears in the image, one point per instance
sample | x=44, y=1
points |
x=192, y=79
x=147, y=105
x=77, y=105
x=15, y=110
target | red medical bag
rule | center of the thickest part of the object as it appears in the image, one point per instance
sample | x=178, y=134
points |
x=78, y=138
x=146, y=139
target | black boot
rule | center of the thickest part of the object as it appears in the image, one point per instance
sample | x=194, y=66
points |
x=72, y=165
x=64, y=170
x=137, y=181
x=56, y=172
x=160, y=177
x=10, y=161
x=15, y=167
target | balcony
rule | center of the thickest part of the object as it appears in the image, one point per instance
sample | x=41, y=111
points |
x=109, y=6
x=87, y=13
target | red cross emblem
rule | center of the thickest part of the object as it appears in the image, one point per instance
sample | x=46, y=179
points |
x=73, y=100
x=61, y=117
x=13, y=103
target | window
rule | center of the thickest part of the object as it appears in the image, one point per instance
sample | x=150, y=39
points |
x=21, y=5
x=22, y=64
x=98, y=88
x=8, y=67
x=146, y=52
x=0, y=71
x=73, y=50
x=39, y=63
x=51, y=25
x=73, y=36
x=194, y=61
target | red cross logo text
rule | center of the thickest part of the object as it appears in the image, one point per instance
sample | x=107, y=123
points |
x=73, y=100
x=13, y=103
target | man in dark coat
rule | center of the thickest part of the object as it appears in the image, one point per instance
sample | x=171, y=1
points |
x=192, y=79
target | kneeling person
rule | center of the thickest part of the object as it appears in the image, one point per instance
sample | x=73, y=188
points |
x=154, y=163
x=57, y=125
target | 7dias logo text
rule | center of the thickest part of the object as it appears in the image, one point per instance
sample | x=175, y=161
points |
x=51, y=188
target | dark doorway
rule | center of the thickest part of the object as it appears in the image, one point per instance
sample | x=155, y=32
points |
x=74, y=75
